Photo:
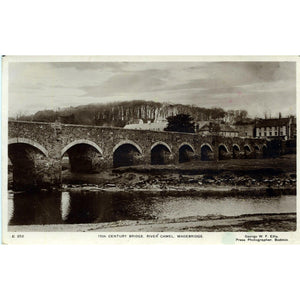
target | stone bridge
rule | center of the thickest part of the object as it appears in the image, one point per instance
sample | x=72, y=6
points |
x=37, y=150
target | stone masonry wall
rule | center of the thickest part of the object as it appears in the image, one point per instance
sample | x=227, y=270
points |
x=56, y=137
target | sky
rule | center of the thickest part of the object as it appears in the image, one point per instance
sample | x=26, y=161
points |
x=258, y=87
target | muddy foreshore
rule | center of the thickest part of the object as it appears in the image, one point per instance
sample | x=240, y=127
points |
x=279, y=173
x=181, y=184
x=129, y=179
x=244, y=223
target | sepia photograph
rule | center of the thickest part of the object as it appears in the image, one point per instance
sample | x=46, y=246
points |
x=185, y=145
x=149, y=148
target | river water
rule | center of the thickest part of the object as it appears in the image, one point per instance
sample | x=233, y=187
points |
x=75, y=207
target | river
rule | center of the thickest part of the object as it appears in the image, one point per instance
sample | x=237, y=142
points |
x=78, y=207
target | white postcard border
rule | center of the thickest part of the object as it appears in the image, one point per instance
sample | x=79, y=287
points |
x=258, y=238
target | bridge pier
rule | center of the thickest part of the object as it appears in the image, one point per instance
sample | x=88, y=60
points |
x=50, y=173
x=33, y=170
x=34, y=165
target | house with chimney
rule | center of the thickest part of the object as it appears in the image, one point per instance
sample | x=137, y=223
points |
x=282, y=128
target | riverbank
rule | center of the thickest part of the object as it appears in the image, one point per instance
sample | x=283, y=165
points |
x=243, y=223
x=275, y=173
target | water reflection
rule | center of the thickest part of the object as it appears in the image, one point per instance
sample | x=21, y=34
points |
x=78, y=207
x=35, y=208
x=65, y=205
x=95, y=207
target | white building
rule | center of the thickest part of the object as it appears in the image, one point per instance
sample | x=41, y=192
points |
x=160, y=126
x=274, y=128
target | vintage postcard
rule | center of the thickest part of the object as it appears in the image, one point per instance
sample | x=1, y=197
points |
x=159, y=149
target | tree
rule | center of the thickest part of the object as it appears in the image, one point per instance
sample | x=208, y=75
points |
x=217, y=113
x=241, y=116
x=47, y=115
x=181, y=123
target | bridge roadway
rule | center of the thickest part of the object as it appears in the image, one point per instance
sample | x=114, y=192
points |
x=36, y=150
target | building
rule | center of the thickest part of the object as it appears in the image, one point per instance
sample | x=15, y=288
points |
x=200, y=124
x=283, y=128
x=293, y=128
x=160, y=126
x=227, y=130
x=218, y=129
x=246, y=130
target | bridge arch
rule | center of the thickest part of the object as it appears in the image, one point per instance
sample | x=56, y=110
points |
x=208, y=145
x=257, y=152
x=225, y=147
x=236, y=149
x=247, y=147
x=186, y=151
x=84, y=156
x=236, y=146
x=123, y=142
x=28, y=160
x=81, y=141
x=247, y=151
x=160, y=153
x=161, y=143
x=187, y=144
x=206, y=152
x=127, y=153
x=29, y=142
x=265, y=150
x=223, y=152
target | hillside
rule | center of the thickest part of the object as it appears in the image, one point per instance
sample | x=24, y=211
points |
x=119, y=114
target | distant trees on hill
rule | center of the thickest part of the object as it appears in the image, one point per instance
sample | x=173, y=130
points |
x=119, y=114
